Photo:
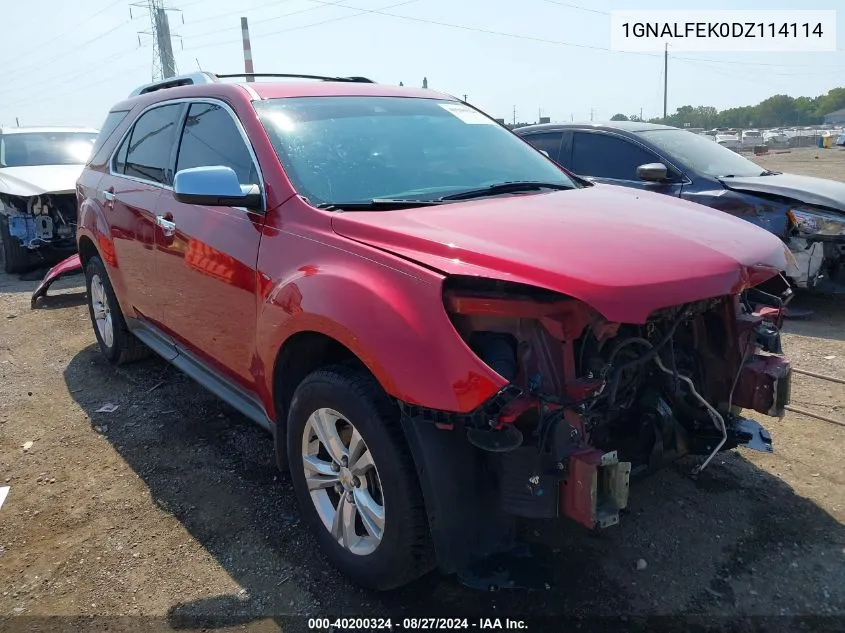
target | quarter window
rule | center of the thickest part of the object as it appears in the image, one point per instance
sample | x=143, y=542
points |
x=211, y=138
x=548, y=142
x=109, y=126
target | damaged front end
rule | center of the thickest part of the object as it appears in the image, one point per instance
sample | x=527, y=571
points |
x=37, y=224
x=817, y=241
x=590, y=403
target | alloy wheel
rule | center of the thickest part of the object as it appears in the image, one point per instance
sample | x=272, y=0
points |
x=102, y=312
x=343, y=481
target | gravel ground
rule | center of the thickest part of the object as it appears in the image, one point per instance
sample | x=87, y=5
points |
x=170, y=507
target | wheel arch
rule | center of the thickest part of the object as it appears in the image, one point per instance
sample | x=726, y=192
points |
x=299, y=355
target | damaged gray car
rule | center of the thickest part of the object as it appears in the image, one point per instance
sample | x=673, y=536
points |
x=39, y=167
x=808, y=214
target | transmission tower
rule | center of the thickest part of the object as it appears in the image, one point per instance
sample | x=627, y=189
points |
x=164, y=64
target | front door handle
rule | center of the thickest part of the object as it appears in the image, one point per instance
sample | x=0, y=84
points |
x=168, y=228
x=109, y=197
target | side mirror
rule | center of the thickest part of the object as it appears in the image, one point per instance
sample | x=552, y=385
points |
x=216, y=186
x=652, y=172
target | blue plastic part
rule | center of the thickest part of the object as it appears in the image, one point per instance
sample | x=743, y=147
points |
x=22, y=227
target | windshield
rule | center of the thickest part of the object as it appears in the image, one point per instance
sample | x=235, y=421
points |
x=27, y=149
x=355, y=149
x=701, y=154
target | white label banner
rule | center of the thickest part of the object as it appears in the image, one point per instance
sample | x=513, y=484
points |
x=723, y=30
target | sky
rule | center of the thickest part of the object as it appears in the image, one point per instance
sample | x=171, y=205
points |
x=67, y=63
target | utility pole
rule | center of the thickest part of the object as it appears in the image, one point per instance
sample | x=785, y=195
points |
x=465, y=97
x=248, y=68
x=164, y=64
x=17, y=122
x=514, y=115
x=665, y=80
x=592, y=111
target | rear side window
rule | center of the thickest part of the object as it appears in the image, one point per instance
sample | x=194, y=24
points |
x=211, y=139
x=548, y=142
x=113, y=119
x=147, y=152
x=606, y=156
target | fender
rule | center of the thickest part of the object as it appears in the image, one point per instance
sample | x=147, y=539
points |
x=92, y=224
x=393, y=321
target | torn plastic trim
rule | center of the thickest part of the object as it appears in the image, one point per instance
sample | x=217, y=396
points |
x=70, y=266
x=485, y=416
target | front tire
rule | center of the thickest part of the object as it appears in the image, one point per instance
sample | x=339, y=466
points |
x=355, y=479
x=116, y=342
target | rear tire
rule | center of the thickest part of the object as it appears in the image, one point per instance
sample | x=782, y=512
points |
x=15, y=256
x=116, y=342
x=385, y=541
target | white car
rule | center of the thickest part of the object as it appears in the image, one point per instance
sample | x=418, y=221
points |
x=39, y=167
x=731, y=141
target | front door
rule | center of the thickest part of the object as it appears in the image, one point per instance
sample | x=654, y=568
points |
x=207, y=255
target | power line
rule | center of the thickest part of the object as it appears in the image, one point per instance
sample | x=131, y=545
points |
x=86, y=70
x=304, y=26
x=65, y=30
x=23, y=70
x=123, y=72
x=240, y=11
x=279, y=17
x=575, y=6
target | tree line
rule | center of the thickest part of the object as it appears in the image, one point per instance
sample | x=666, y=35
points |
x=776, y=111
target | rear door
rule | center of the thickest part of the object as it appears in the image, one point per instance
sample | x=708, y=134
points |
x=139, y=172
x=206, y=261
x=613, y=159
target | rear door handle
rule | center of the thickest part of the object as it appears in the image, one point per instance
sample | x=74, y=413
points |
x=167, y=227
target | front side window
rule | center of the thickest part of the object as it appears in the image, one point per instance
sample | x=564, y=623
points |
x=701, y=154
x=348, y=149
x=150, y=144
x=600, y=155
x=30, y=149
x=211, y=138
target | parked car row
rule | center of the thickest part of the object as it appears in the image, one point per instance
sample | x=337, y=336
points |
x=442, y=329
x=808, y=214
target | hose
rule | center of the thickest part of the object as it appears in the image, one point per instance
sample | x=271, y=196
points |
x=717, y=418
x=653, y=351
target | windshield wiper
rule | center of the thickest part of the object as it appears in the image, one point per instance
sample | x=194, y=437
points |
x=377, y=204
x=506, y=187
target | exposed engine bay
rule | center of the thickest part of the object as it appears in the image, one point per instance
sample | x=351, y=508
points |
x=48, y=219
x=591, y=403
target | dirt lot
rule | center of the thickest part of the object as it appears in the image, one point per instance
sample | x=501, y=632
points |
x=171, y=507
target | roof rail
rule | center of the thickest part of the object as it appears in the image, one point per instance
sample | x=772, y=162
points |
x=172, y=82
x=362, y=80
x=207, y=78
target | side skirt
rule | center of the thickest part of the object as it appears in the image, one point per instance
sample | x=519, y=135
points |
x=201, y=372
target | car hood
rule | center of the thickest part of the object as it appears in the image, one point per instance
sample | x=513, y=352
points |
x=806, y=189
x=624, y=253
x=39, y=179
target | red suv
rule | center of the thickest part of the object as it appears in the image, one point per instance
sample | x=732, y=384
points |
x=442, y=329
